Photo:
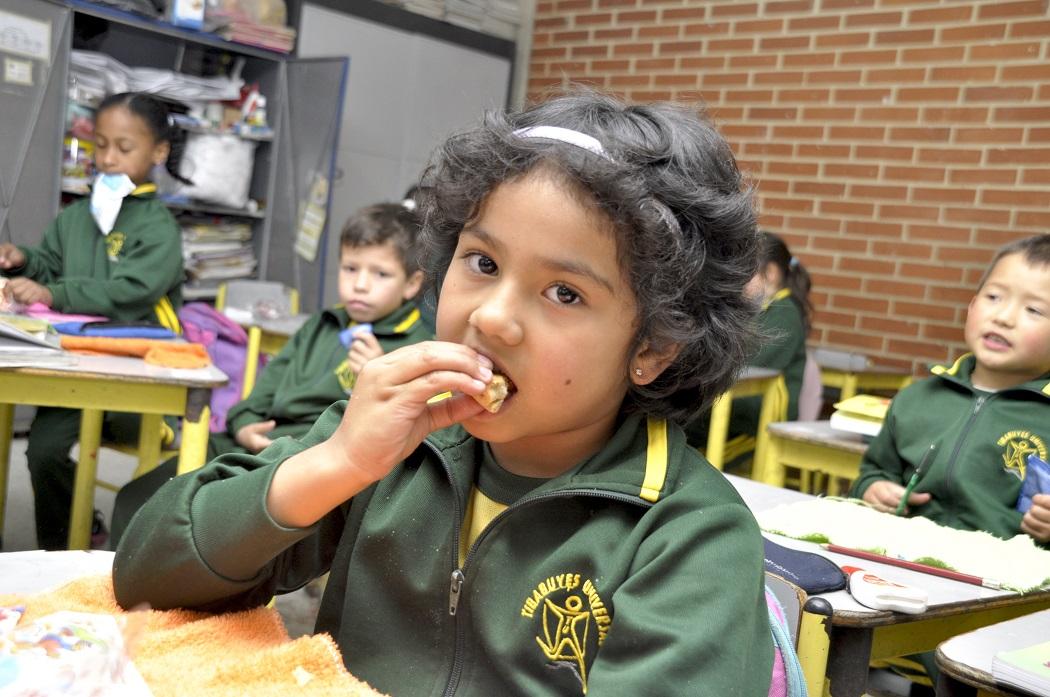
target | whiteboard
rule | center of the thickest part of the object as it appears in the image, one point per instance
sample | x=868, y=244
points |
x=406, y=92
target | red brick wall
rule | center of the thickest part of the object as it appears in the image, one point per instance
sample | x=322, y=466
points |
x=896, y=143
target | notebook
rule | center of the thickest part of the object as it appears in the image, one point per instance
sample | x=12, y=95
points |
x=1027, y=668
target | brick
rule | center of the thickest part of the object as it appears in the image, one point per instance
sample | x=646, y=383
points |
x=669, y=31
x=983, y=175
x=773, y=114
x=636, y=17
x=896, y=76
x=817, y=188
x=706, y=29
x=968, y=73
x=938, y=195
x=614, y=34
x=787, y=204
x=1034, y=114
x=1040, y=71
x=784, y=77
x=862, y=303
x=814, y=23
x=774, y=149
x=569, y=5
x=889, y=113
x=676, y=14
x=752, y=96
x=852, y=170
x=568, y=67
x=554, y=52
x=938, y=54
x=758, y=26
x=885, y=152
x=773, y=7
x=755, y=61
x=744, y=130
x=939, y=233
x=797, y=60
x=782, y=43
x=568, y=37
x=1023, y=29
x=940, y=15
x=1015, y=93
x=600, y=51
x=897, y=250
x=875, y=191
x=1035, y=176
x=649, y=95
x=995, y=10
x=997, y=238
x=1001, y=52
x=964, y=255
x=592, y=19
x=835, y=281
x=829, y=113
x=823, y=151
x=629, y=80
x=928, y=94
x=905, y=36
x=884, y=287
x=653, y=64
x=803, y=95
x=954, y=294
x=927, y=310
x=845, y=4
x=798, y=132
x=889, y=326
x=675, y=80
x=938, y=135
x=839, y=319
x=1034, y=156
x=848, y=77
x=976, y=215
x=616, y=3
x=868, y=58
x=633, y=49
x=840, y=244
x=734, y=9
x=667, y=48
x=847, y=208
x=730, y=44
x=610, y=66
x=545, y=23
x=874, y=19
x=1033, y=219
x=842, y=39
x=699, y=62
x=958, y=114
x=974, y=32
x=943, y=332
x=905, y=212
x=989, y=135
x=934, y=175
x=870, y=228
x=963, y=157
x=812, y=224
x=854, y=133
x=852, y=340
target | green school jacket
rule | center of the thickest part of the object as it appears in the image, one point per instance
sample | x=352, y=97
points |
x=981, y=444
x=311, y=371
x=639, y=572
x=134, y=273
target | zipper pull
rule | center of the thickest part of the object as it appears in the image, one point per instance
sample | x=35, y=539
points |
x=980, y=403
x=453, y=593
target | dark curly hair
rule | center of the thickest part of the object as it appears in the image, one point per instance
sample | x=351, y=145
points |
x=383, y=223
x=682, y=213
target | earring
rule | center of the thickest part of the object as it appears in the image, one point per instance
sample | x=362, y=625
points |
x=638, y=372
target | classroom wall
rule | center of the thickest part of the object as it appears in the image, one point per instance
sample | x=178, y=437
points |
x=896, y=143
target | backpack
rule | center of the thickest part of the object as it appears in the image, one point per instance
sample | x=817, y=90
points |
x=788, y=680
x=227, y=346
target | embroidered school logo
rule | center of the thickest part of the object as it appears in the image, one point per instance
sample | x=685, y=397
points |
x=570, y=620
x=114, y=245
x=346, y=377
x=1017, y=446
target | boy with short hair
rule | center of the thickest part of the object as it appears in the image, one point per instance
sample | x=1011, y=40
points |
x=982, y=416
x=379, y=276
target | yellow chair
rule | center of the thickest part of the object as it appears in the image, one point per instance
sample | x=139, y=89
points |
x=242, y=297
x=808, y=621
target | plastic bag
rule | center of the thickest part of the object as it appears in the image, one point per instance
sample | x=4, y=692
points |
x=1036, y=481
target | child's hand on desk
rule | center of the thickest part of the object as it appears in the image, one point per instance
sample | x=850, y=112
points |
x=364, y=348
x=27, y=292
x=1036, y=522
x=885, y=496
x=253, y=437
x=11, y=257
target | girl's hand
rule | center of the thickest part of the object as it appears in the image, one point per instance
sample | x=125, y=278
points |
x=254, y=437
x=27, y=291
x=363, y=348
x=1036, y=522
x=11, y=257
x=885, y=495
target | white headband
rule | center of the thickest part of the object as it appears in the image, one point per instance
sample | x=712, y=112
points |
x=565, y=135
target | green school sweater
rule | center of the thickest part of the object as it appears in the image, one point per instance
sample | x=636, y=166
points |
x=638, y=572
x=311, y=371
x=134, y=273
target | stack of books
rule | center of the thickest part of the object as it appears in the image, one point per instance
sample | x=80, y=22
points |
x=217, y=249
x=862, y=413
x=1027, y=669
x=28, y=341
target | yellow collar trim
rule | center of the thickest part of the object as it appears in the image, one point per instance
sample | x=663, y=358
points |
x=147, y=188
x=779, y=295
x=655, y=460
x=407, y=322
x=954, y=369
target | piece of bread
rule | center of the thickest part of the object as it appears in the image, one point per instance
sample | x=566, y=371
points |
x=495, y=392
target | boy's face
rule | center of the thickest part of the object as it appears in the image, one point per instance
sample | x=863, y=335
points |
x=373, y=282
x=1008, y=324
x=535, y=284
x=125, y=145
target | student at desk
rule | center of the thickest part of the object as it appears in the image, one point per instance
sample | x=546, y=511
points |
x=379, y=277
x=969, y=428
x=781, y=288
x=116, y=254
x=593, y=255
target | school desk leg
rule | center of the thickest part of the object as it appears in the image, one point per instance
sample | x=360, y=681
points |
x=849, y=386
x=149, y=443
x=194, y=447
x=814, y=641
x=84, y=484
x=7, y=418
x=774, y=408
x=718, y=429
x=850, y=654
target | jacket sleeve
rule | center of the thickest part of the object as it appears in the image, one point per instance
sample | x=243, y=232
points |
x=882, y=460
x=150, y=267
x=692, y=618
x=43, y=262
x=206, y=540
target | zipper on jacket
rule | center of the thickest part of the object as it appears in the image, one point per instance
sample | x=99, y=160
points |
x=453, y=593
x=981, y=399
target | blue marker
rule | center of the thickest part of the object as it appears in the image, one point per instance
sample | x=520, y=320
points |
x=346, y=337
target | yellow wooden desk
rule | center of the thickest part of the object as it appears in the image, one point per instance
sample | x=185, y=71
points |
x=753, y=381
x=811, y=446
x=267, y=337
x=835, y=660
x=94, y=384
x=966, y=660
x=871, y=378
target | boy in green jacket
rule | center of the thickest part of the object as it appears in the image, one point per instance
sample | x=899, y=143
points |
x=379, y=276
x=591, y=255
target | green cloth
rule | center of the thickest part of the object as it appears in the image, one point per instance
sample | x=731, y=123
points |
x=680, y=579
x=981, y=439
x=121, y=275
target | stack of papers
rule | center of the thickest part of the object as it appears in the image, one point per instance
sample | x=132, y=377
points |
x=862, y=413
x=97, y=74
x=25, y=341
x=217, y=249
x=1027, y=668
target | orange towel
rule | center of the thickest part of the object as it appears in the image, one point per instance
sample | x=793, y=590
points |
x=169, y=354
x=183, y=652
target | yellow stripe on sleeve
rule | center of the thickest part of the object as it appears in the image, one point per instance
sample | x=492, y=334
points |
x=655, y=460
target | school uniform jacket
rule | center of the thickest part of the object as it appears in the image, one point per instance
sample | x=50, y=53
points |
x=133, y=273
x=311, y=371
x=639, y=572
x=981, y=439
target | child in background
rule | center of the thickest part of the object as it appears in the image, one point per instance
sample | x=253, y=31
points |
x=594, y=254
x=781, y=289
x=379, y=276
x=117, y=254
x=970, y=427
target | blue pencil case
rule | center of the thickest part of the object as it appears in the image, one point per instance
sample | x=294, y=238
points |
x=123, y=330
x=812, y=572
x=1036, y=481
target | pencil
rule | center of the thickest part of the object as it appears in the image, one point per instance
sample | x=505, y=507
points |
x=915, y=477
x=914, y=566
